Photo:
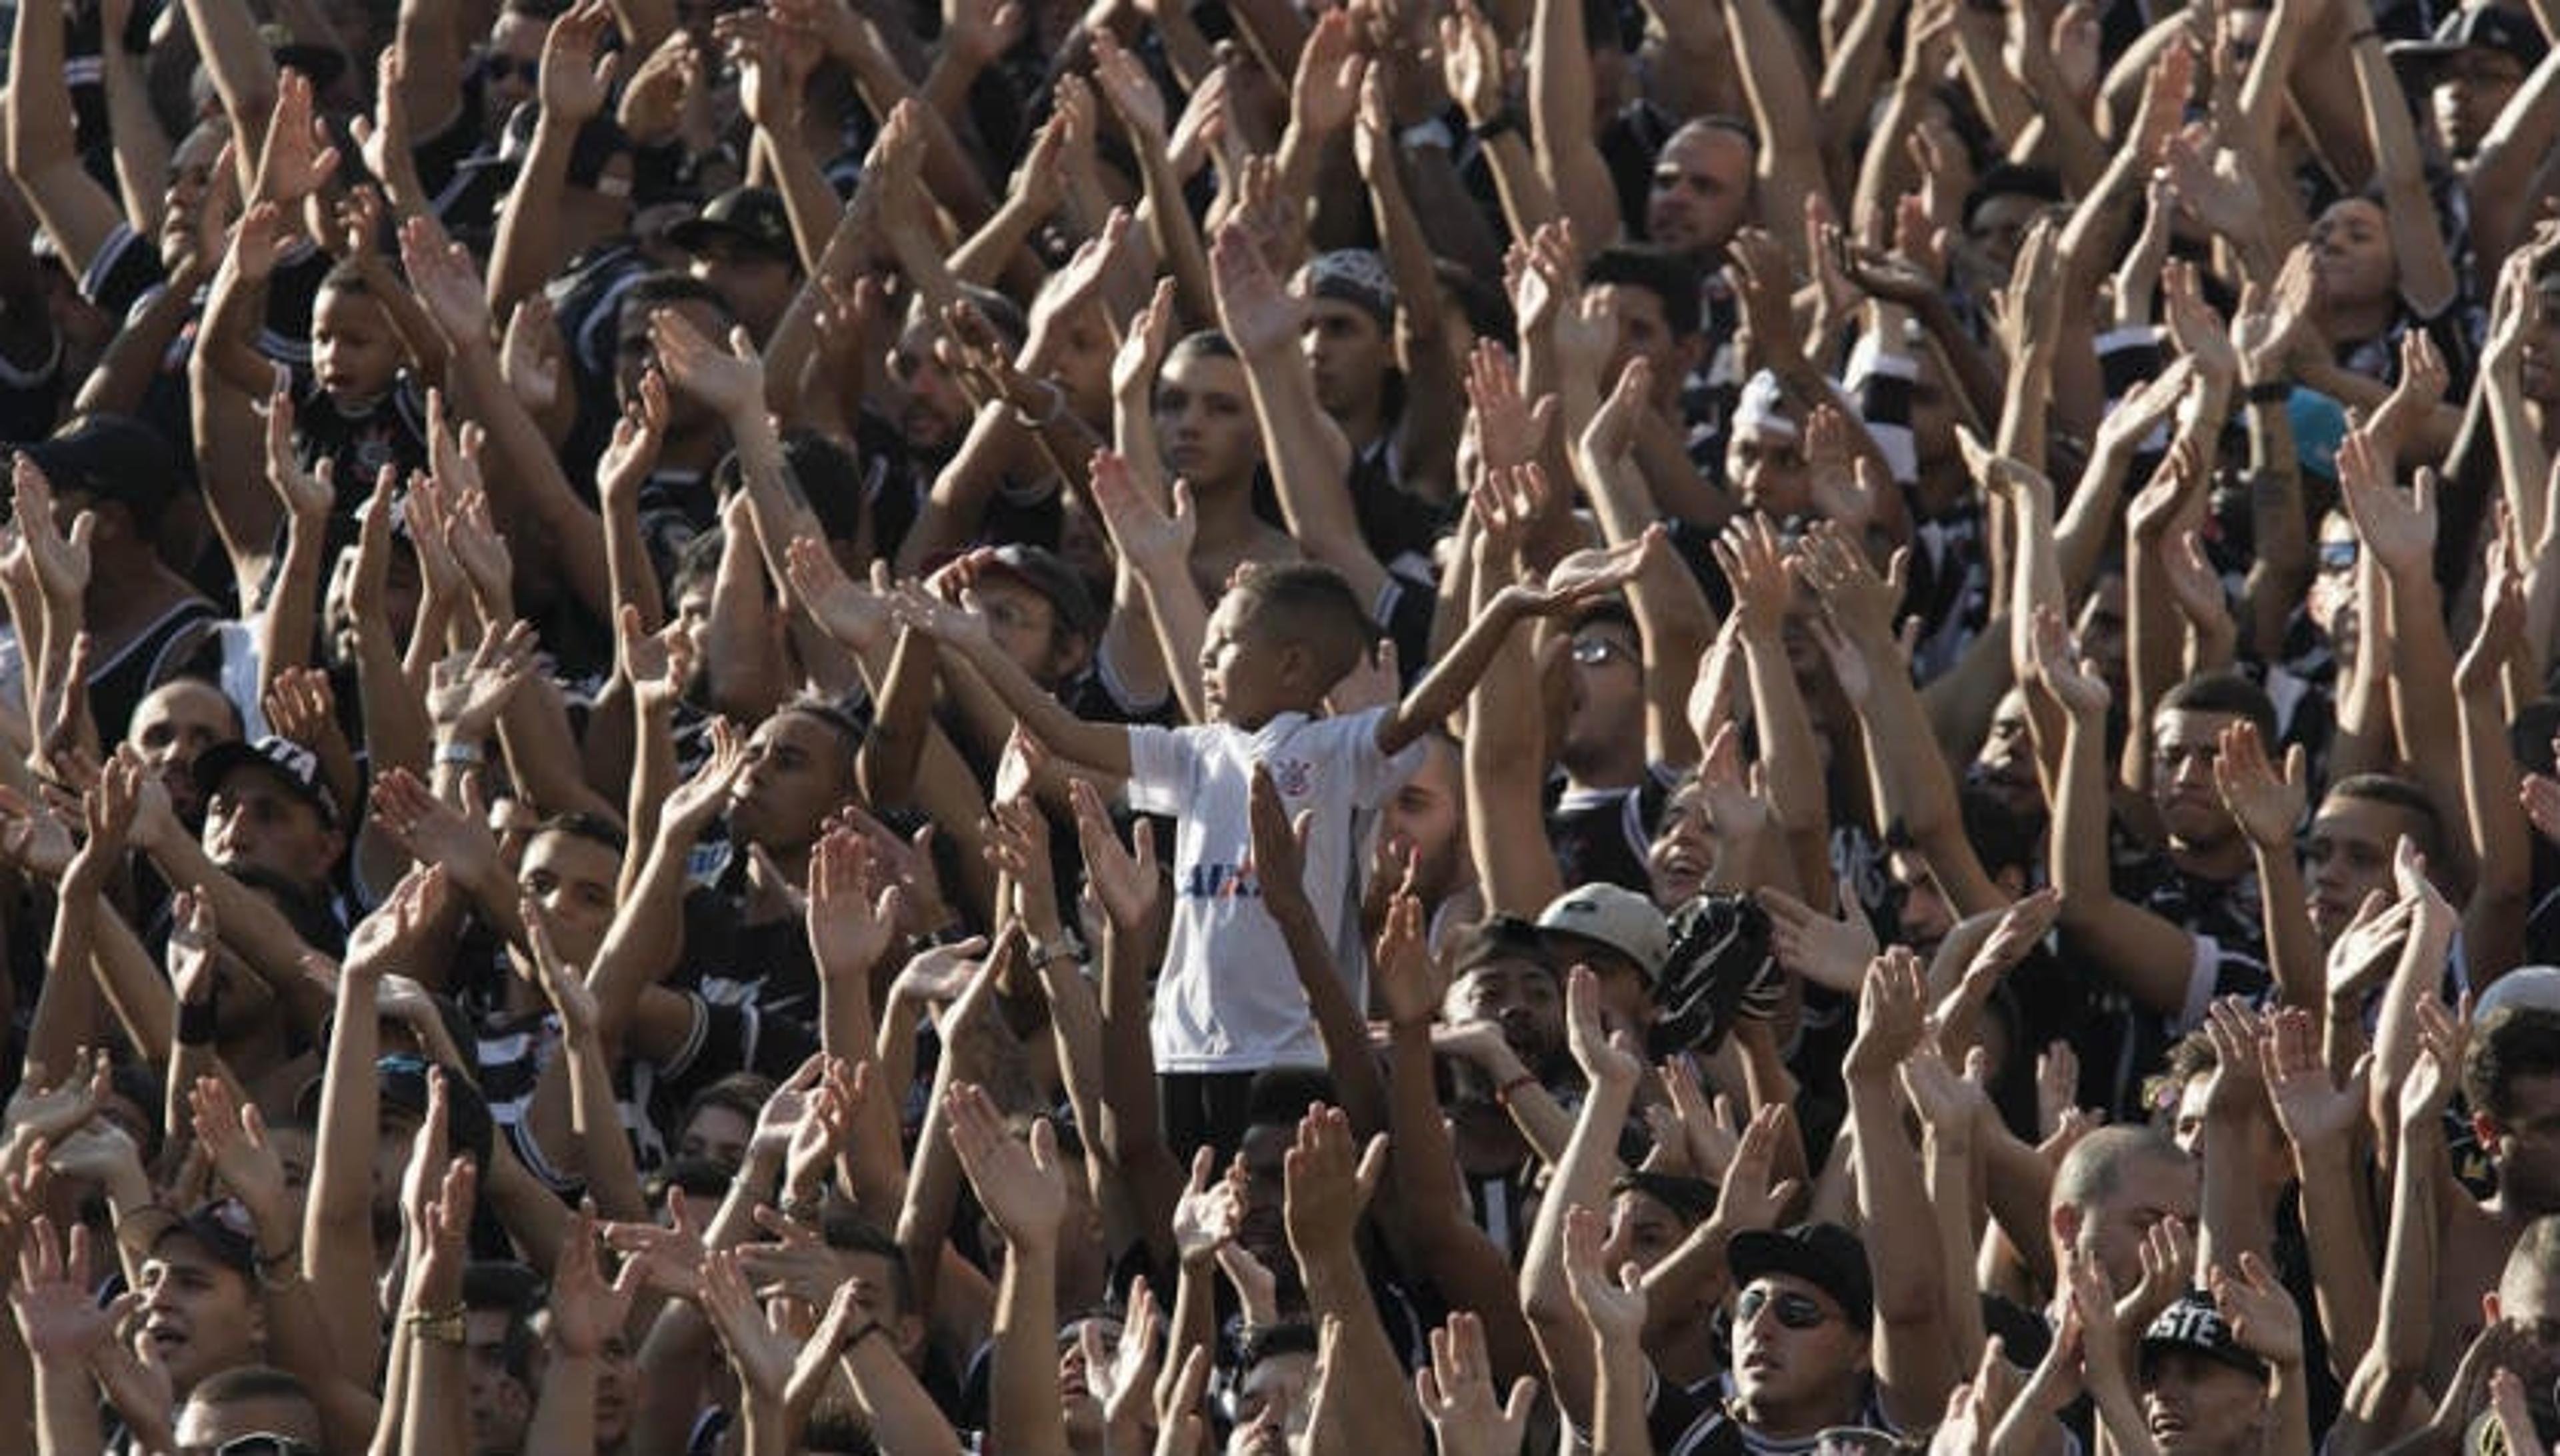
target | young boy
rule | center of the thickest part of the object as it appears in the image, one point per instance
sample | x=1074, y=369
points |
x=1228, y=1003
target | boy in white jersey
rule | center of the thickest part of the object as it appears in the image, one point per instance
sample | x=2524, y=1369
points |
x=1228, y=1003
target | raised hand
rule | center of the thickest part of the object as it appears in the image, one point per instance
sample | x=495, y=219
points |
x=1144, y=534
x=562, y=985
x=762, y=1354
x=1208, y=1211
x=1327, y=1185
x=2400, y=529
x=1746, y=1198
x=2268, y=808
x=1022, y=1187
x=54, y=1297
x=1611, y=1300
x=1607, y=1057
x=585, y=1310
x=849, y=928
x=574, y=81
x=1258, y=314
x=1825, y=950
x=1891, y=1010
x=1457, y=1391
x=2260, y=1311
x=466, y=691
x=2057, y=663
x=1128, y=884
x=298, y=158
x=731, y=381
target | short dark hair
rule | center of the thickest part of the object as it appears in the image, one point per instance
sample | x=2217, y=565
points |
x=2009, y=179
x=515, y=1290
x=2513, y=1043
x=665, y=288
x=587, y=825
x=2402, y=794
x=1308, y=606
x=849, y=1232
x=1667, y=274
x=697, y=561
x=344, y=276
x=1209, y=343
x=2225, y=693
x=1289, y=1337
x=741, y=1092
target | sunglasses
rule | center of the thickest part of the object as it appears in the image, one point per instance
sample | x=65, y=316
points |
x=1795, y=1310
x=2336, y=557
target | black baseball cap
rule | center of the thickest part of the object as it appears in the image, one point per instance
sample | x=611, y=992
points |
x=2485, y=28
x=1046, y=573
x=2194, y=1322
x=297, y=766
x=108, y=458
x=224, y=1231
x=1825, y=1256
x=748, y=217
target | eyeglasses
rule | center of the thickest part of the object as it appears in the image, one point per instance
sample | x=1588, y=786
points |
x=1795, y=1310
x=2336, y=557
x=1593, y=651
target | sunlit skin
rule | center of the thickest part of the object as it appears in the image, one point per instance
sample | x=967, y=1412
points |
x=254, y=820
x=2197, y=1405
x=1787, y=1381
x=1204, y=422
x=2185, y=745
x=174, y=724
x=355, y=355
x=2347, y=855
x=1701, y=189
x=2472, y=87
x=2354, y=270
x=798, y=771
x=198, y=1314
x=1350, y=353
x=2150, y=1186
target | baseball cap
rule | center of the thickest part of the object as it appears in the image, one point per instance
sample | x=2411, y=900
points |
x=1496, y=938
x=1356, y=276
x=296, y=765
x=1614, y=917
x=108, y=458
x=749, y=217
x=1046, y=573
x=227, y=1232
x=1825, y=1256
x=2194, y=1322
x=2484, y=28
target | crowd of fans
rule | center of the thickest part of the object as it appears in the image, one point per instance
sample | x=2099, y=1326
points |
x=1494, y=727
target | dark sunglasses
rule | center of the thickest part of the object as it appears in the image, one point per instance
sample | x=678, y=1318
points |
x=2336, y=556
x=1795, y=1310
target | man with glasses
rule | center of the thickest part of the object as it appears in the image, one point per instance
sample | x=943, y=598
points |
x=1601, y=813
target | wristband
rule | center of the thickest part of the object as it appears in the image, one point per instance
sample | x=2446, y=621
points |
x=2271, y=391
x=1506, y=119
x=1503, y=1093
x=457, y=751
x=197, y=1021
x=867, y=1330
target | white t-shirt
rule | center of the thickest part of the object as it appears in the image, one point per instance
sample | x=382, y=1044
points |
x=1228, y=998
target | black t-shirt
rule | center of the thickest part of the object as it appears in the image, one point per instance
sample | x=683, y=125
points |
x=1603, y=836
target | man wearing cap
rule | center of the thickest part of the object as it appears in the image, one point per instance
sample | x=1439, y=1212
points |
x=741, y=244
x=1502, y=1024
x=202, y=1312
x=1621, y=937
x=146, y=624
x=269, y=816
x=2471, y=66
x=2205, y=1392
